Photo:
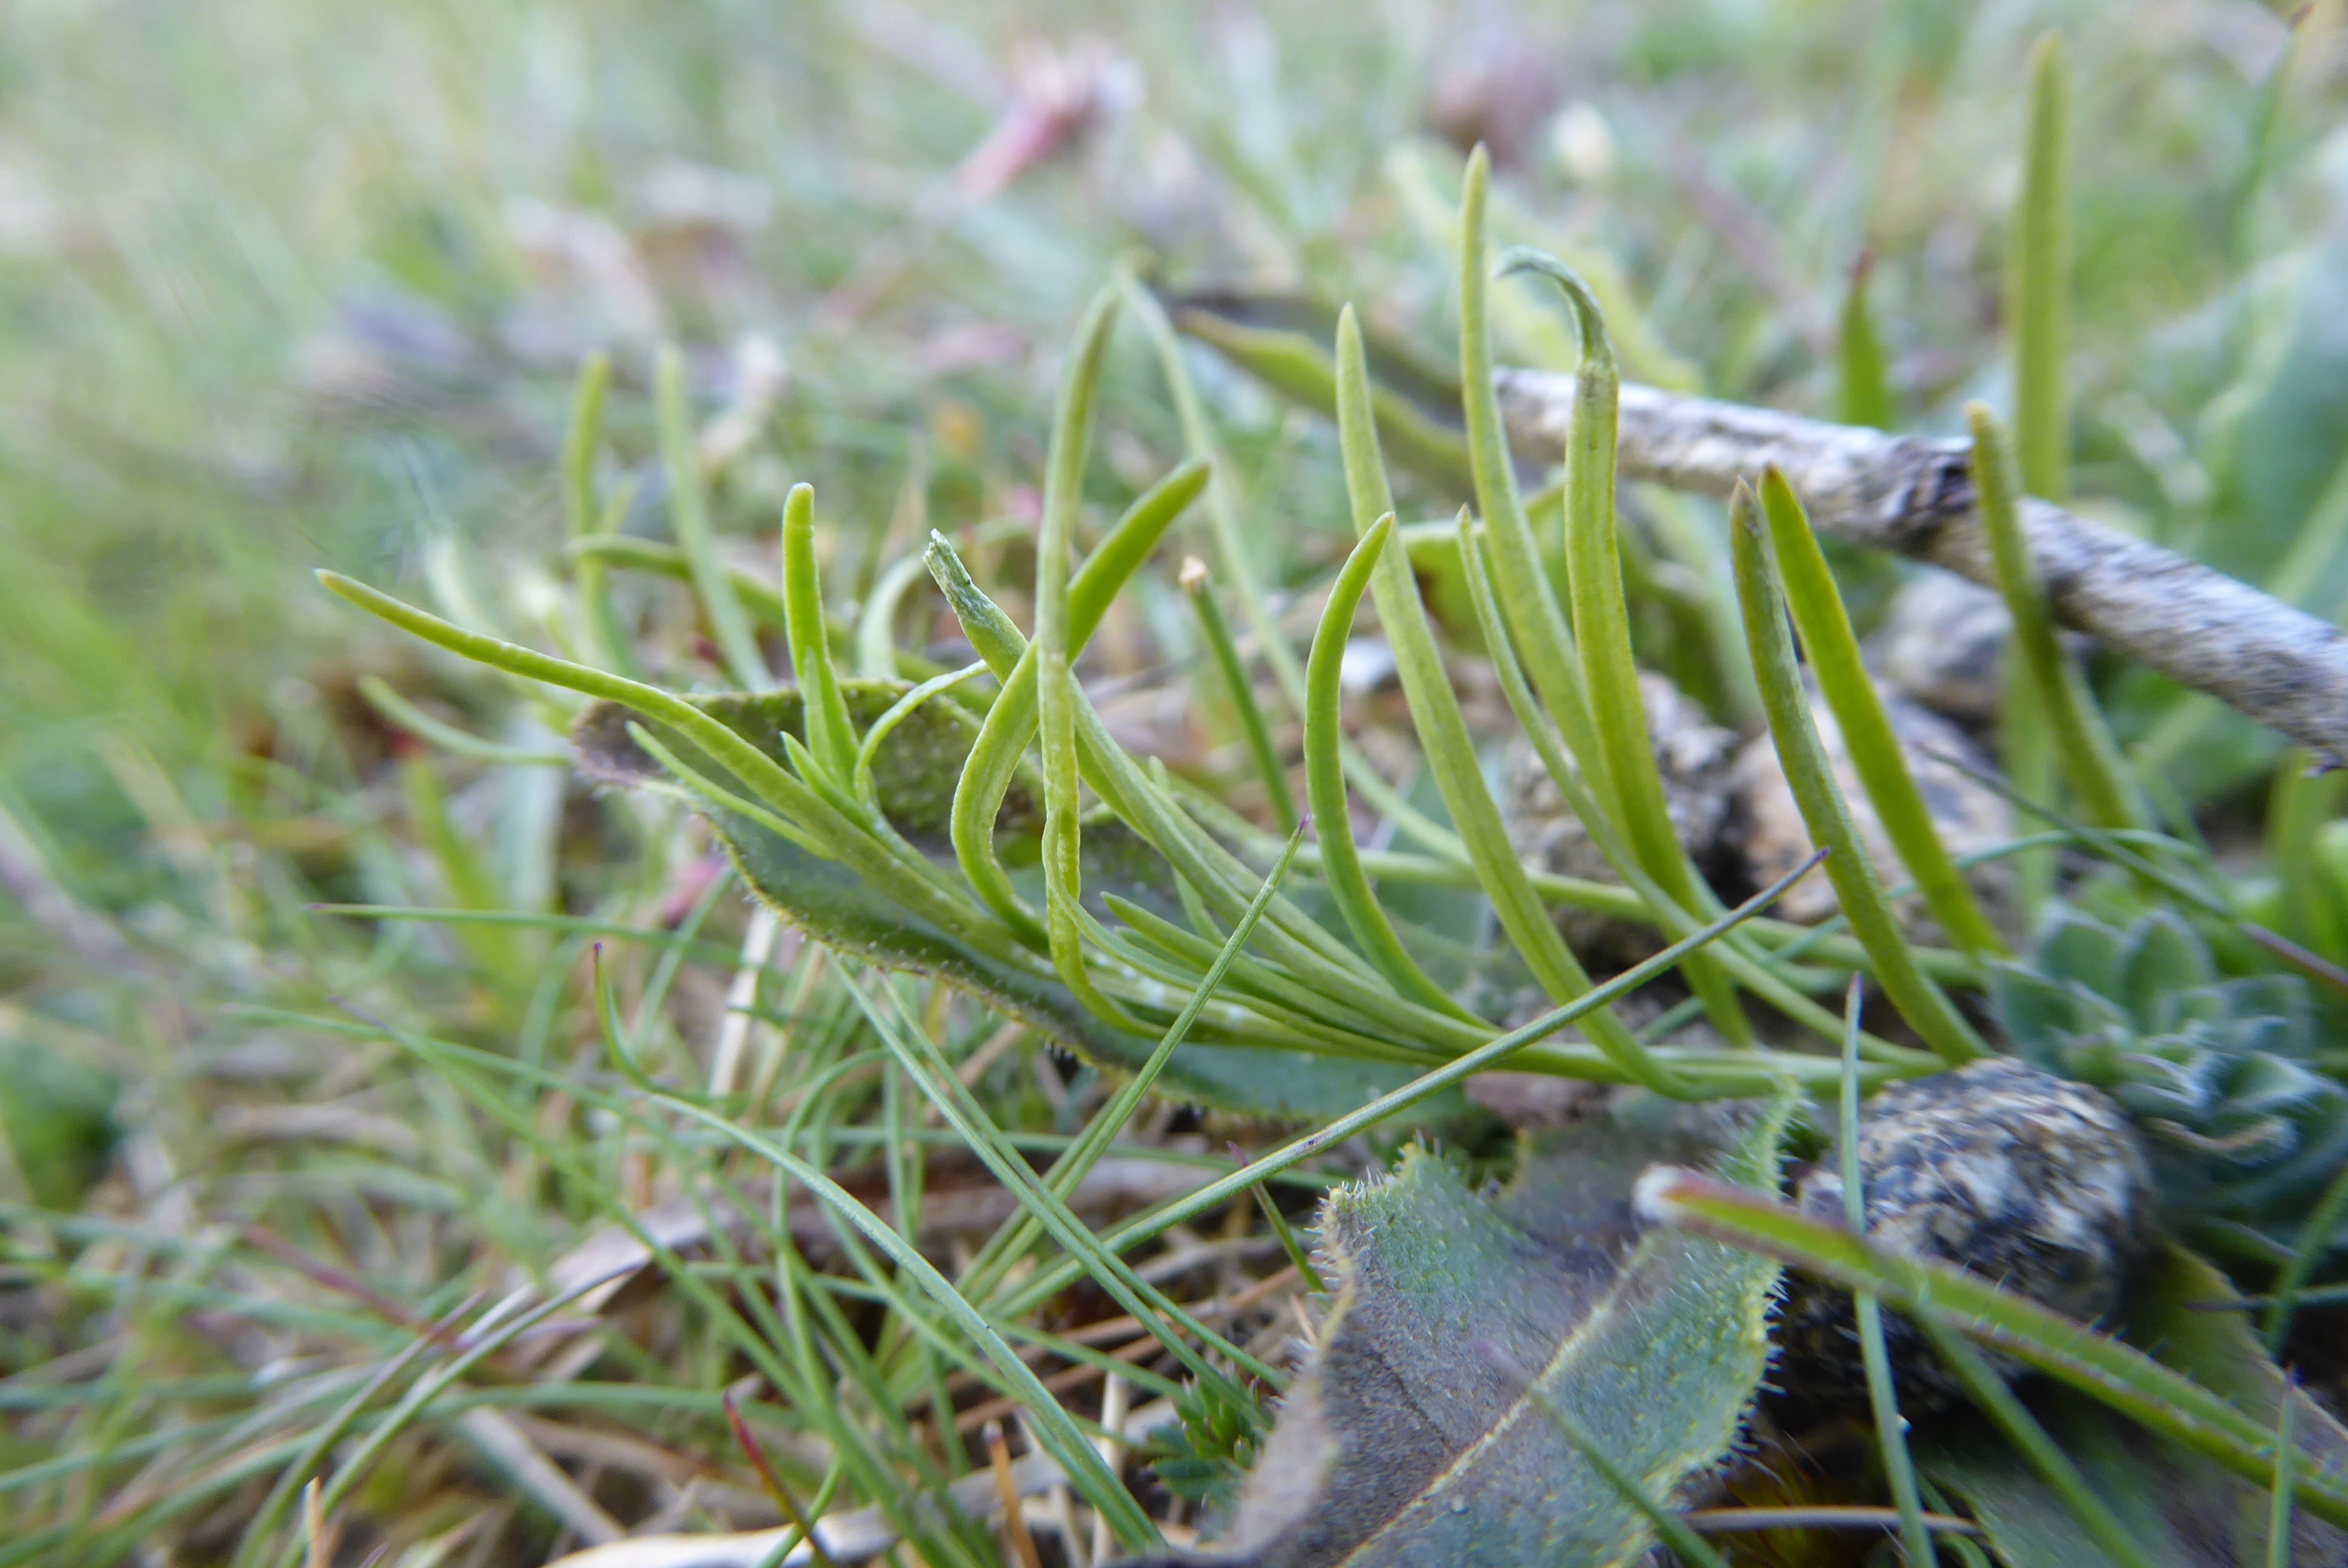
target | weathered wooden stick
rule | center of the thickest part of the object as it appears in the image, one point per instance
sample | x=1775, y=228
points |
x=1915, y=495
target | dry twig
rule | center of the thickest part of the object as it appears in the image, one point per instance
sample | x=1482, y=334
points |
x=1914, y=494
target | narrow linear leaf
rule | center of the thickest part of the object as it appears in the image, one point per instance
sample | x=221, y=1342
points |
x=1851, y=694
x=1542, y=640
x=2182, y=1509
x=2170, y=1404
x=1325, y=781
x=1451, y=750
x=1011, y=720
x=688, y=511
x=2050, y=1458
x=1601, y=628
x=1811, y=779
x=914, y=771
x=1649, y=903
x=2041, y=279
x=1863, y=380
x=606, y=642
x=1150, y=808
x=2090, y=759
x=1225, y=654
x=831, y=736
x=1890, y=1426
x=1056, y=1430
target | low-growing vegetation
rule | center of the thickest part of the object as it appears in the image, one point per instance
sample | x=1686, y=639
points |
x=1423, y=900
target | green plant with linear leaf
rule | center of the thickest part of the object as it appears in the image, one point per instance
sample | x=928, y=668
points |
x=891, y=822
x=281, y=1298
x=875, y=814
x=984, y=825
x=2246, y=1130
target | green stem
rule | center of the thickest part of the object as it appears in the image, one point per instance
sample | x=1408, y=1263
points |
x=1242, y=691
x=1890, y=1426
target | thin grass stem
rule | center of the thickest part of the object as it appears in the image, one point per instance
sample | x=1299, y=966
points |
x=688, y=512
x=2089, y=758
x=1890, y=1426
x=1240, y=691
x=2045, y=1456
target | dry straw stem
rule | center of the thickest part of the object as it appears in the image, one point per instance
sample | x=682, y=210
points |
x=1914, y=494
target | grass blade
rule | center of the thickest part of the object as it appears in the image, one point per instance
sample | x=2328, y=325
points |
x=1807, y=775
x=1054, y=1429
x=2045, y=1456
x=2089, y=758
x=1863, y=380
x=1242, y=691
x=1929, y=1292
x=1739, y=1072
x=378, y=694
x=1150, y=1306
x=1670, y=1528
x=688, y=511
x=1851, y=694
x=605, y=640
x=2041, y=282
x=1078, y=1159
x=1890, y=1426
x=2316, y=1238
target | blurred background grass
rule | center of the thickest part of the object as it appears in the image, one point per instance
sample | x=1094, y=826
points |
x=290, y=287
x=287, y=284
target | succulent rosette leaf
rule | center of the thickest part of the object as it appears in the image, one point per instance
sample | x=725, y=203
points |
x=2220, y=1073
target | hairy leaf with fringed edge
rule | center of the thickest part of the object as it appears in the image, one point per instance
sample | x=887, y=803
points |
x=1413, y=1437
x=914, y=773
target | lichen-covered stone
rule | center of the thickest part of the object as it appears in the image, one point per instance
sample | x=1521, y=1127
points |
x=1692, y=754
x=1770, y=833
x=2022, y=1178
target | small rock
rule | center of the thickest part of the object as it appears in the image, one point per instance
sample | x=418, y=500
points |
x=1771, y=835
x=1693, y=756
x=2022, y=1177
x=1535, y=1100
x=1943, y=645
